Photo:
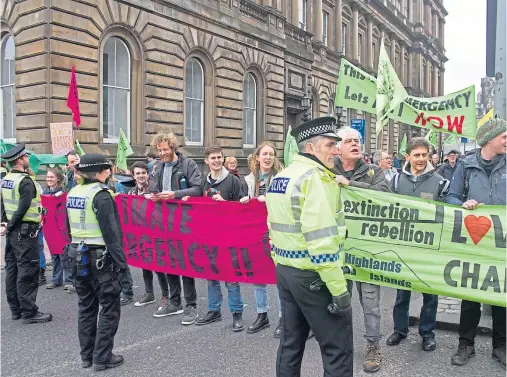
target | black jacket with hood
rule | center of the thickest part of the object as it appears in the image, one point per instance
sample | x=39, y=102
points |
x=365, y=176
x=429, y=185
x=186, y=177
x=227, y=185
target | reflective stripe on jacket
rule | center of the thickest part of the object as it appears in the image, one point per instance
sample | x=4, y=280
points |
x=306, y=221
x=11, y=196
x=82, y=218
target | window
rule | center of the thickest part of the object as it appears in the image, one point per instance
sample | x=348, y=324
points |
x=331, y=108
x=302, y=13
x=344, y=38
x=116, y=79
x=325, y=19
x=8, y=90
x=359, y=47
x=249, y=111
x=373, y=53
x=194, y=103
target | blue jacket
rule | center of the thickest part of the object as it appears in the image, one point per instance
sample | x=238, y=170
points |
x=488, y=190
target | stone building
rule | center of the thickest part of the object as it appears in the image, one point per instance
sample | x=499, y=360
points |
x=485, y=97
x=227, y=72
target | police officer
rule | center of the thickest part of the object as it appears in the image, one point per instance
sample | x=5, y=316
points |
x=307, y=230
x=97, y=257
x=21, y=219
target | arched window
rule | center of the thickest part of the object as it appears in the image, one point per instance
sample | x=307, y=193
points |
x=249, y=111
x=116, y=85
x=8, y=89
x=331, y=109
x=194, y=103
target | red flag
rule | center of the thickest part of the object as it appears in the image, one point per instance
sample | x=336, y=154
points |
x=73, y=99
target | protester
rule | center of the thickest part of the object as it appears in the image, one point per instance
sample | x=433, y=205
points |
x=263, y=167
x=307, y=232
x=220, y=185
x=231, y=164
x=152, y=162
x=384, y=161
x=448, y=168
x=61, y=272
x=71, y=177
x=176, y=176
x=146, y=187
x=480, y=179
x=97, y=256
x=114, y=184
x=418, y=178
x=435, y=160
x=396, y=161
x=21, y=207
x=352, y=171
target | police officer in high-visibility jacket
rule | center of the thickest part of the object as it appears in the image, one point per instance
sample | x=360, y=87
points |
x=21, y=221
x=96, y=255
x=307, y=231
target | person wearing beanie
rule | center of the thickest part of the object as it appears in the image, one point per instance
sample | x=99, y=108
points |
x=480, y=179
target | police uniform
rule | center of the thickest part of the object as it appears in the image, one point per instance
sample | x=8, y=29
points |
x=307, y=231
x=21, y=214
x=96, y=255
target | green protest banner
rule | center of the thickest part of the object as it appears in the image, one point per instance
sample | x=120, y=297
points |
x=403, y=145
x=124, y=150
x=453, y=113
x=410, y=243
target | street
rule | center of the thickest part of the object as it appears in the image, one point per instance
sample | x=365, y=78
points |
x=163, y=347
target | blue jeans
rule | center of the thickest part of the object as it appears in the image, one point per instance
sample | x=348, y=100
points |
x=427, y=318
x=233, y=297
x=57, y=270
x=41, y=251
x=261, y=297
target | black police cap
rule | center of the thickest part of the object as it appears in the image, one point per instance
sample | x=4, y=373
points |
x=324, y=126
x=93, y=162
x=14, y=153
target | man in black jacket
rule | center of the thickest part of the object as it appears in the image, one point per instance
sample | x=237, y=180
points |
x=220, y=185
x=448, y=168
x=176, y=176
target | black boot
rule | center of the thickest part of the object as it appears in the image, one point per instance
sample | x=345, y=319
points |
x=42, y=276
x=113, y=362
x=278, y=330
x=463, y=354
x=237, y=322
x=262, y=322
x=37, y=318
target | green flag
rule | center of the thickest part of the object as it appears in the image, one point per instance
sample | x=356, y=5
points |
x=403, y=145
x=390, y=91
x=4, y=147
x=290, y=149
x=79, y=150
x=451, y=139
x=124, y=150
x=432, y=137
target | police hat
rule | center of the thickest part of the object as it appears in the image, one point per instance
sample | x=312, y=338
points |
x=325, y=126
x=14, y=153
x=93, y=162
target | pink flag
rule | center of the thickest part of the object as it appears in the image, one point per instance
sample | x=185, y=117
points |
x=73, y=99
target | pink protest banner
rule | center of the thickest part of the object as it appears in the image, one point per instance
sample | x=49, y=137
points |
x=199, y=238
x=54, y=228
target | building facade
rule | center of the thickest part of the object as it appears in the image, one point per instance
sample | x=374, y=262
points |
x=227, y=72
x=485, y=97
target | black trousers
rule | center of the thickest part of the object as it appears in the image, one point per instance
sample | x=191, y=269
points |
x=469, y=320
x=22, y=262
x=303, y=309
x=100, y=288
x=188, y=290
x=162, y=281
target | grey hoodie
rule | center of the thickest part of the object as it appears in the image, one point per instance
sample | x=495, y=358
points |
x=428, y=185
x=227, y=185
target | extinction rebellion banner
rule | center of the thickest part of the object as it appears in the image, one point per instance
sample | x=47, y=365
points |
x=453, y=113
x=395, y=241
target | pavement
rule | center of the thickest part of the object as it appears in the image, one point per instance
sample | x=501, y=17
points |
x=162, y=346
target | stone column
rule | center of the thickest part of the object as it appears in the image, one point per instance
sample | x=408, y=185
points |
x=420, y=11
x=428, y=77
x=441, y=83
x=442, y=31
x=402, y=65
x=369, y=40
x=338, y=25
x=435, y=85
x=428, y=18
x=436, y=21
x=295, y=12
x=309, y=17
x=355, y=32
x=318, y=20
x=392, y=53
x=410, y=68
x=268, y=3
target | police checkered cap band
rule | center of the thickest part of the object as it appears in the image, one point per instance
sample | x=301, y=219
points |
x=94, y=164
x=316, y=131
x=15, y=157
